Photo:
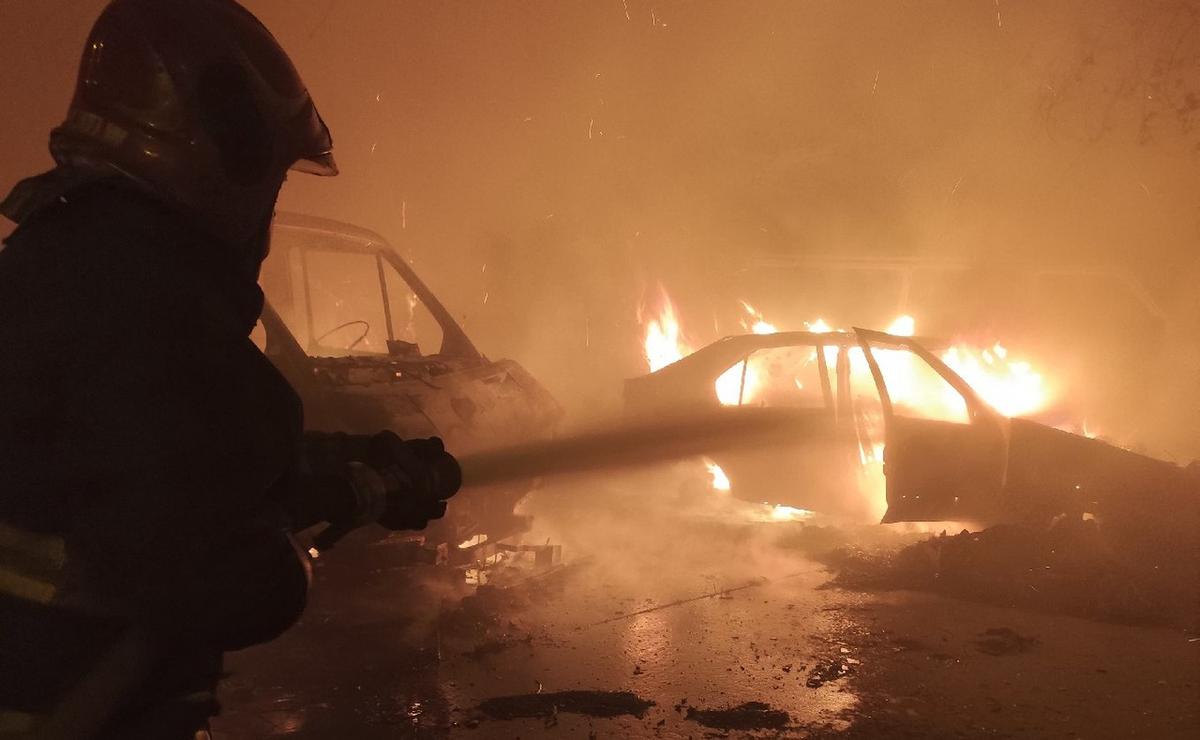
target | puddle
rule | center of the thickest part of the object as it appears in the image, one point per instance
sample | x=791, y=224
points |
x=1004, y=641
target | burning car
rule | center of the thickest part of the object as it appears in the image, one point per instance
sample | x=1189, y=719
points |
x=885, y=409
x=368, y=346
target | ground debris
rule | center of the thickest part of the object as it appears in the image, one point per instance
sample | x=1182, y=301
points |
x=590, y=703
x=826, y=671
x=1069, y=567
x=480, y=612
x=753, y=715
x=492, y=647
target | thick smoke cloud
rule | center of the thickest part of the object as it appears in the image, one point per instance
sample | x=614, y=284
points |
x=544, y=163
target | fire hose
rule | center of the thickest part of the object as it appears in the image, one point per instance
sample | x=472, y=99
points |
x=428, y=480
x=640, y=442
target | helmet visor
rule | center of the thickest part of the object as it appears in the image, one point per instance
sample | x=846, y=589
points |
x=311, y=147
x=321, y=164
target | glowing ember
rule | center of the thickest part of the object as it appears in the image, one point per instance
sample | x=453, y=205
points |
x=720, y=482
x=475, y=541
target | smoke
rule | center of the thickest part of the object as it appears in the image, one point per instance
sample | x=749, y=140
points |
x=543, y=163
x=640, y=530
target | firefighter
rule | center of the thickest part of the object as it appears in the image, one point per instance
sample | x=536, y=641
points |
x=152, y=463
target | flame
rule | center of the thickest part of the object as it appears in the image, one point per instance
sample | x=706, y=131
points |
x=742, y=382
x=1010, y=385
x=781, y=513
x=756, y=324
x=729, y=385
x=903, y=326
x=664, y=343
x=871, y=481
x=720, y=481
x=1013, y=387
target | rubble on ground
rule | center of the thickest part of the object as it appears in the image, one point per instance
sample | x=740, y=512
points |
x=752, y=715
x=1069, y=567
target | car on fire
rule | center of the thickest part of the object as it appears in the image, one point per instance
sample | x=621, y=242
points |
x=874, y=399
x=368, y=346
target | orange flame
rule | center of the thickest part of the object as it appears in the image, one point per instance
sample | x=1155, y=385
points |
x=720, y=481
x=664, y=343
x=1011, y=386
x=756, y=324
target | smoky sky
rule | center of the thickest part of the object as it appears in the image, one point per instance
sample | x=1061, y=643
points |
x=546, y=162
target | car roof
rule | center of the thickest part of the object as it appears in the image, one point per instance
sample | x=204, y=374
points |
x=715, y=358
x=351, y=238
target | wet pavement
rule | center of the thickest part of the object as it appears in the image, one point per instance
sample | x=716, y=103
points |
x=681, y=623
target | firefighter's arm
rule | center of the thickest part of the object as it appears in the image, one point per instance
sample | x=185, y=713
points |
x=179, y=525
x=172, y=439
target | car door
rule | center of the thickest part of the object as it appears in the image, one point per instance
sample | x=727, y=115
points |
x=945, y=450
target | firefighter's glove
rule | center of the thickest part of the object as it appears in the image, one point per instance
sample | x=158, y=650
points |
x=418, y=476
x=370, y=494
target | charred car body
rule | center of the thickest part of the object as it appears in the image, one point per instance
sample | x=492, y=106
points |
x=947, y=455
x=368, y=346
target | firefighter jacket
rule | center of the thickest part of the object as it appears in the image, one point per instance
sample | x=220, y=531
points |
x=145, y=447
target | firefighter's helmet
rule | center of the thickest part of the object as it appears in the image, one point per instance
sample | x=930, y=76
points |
x=196, y=100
